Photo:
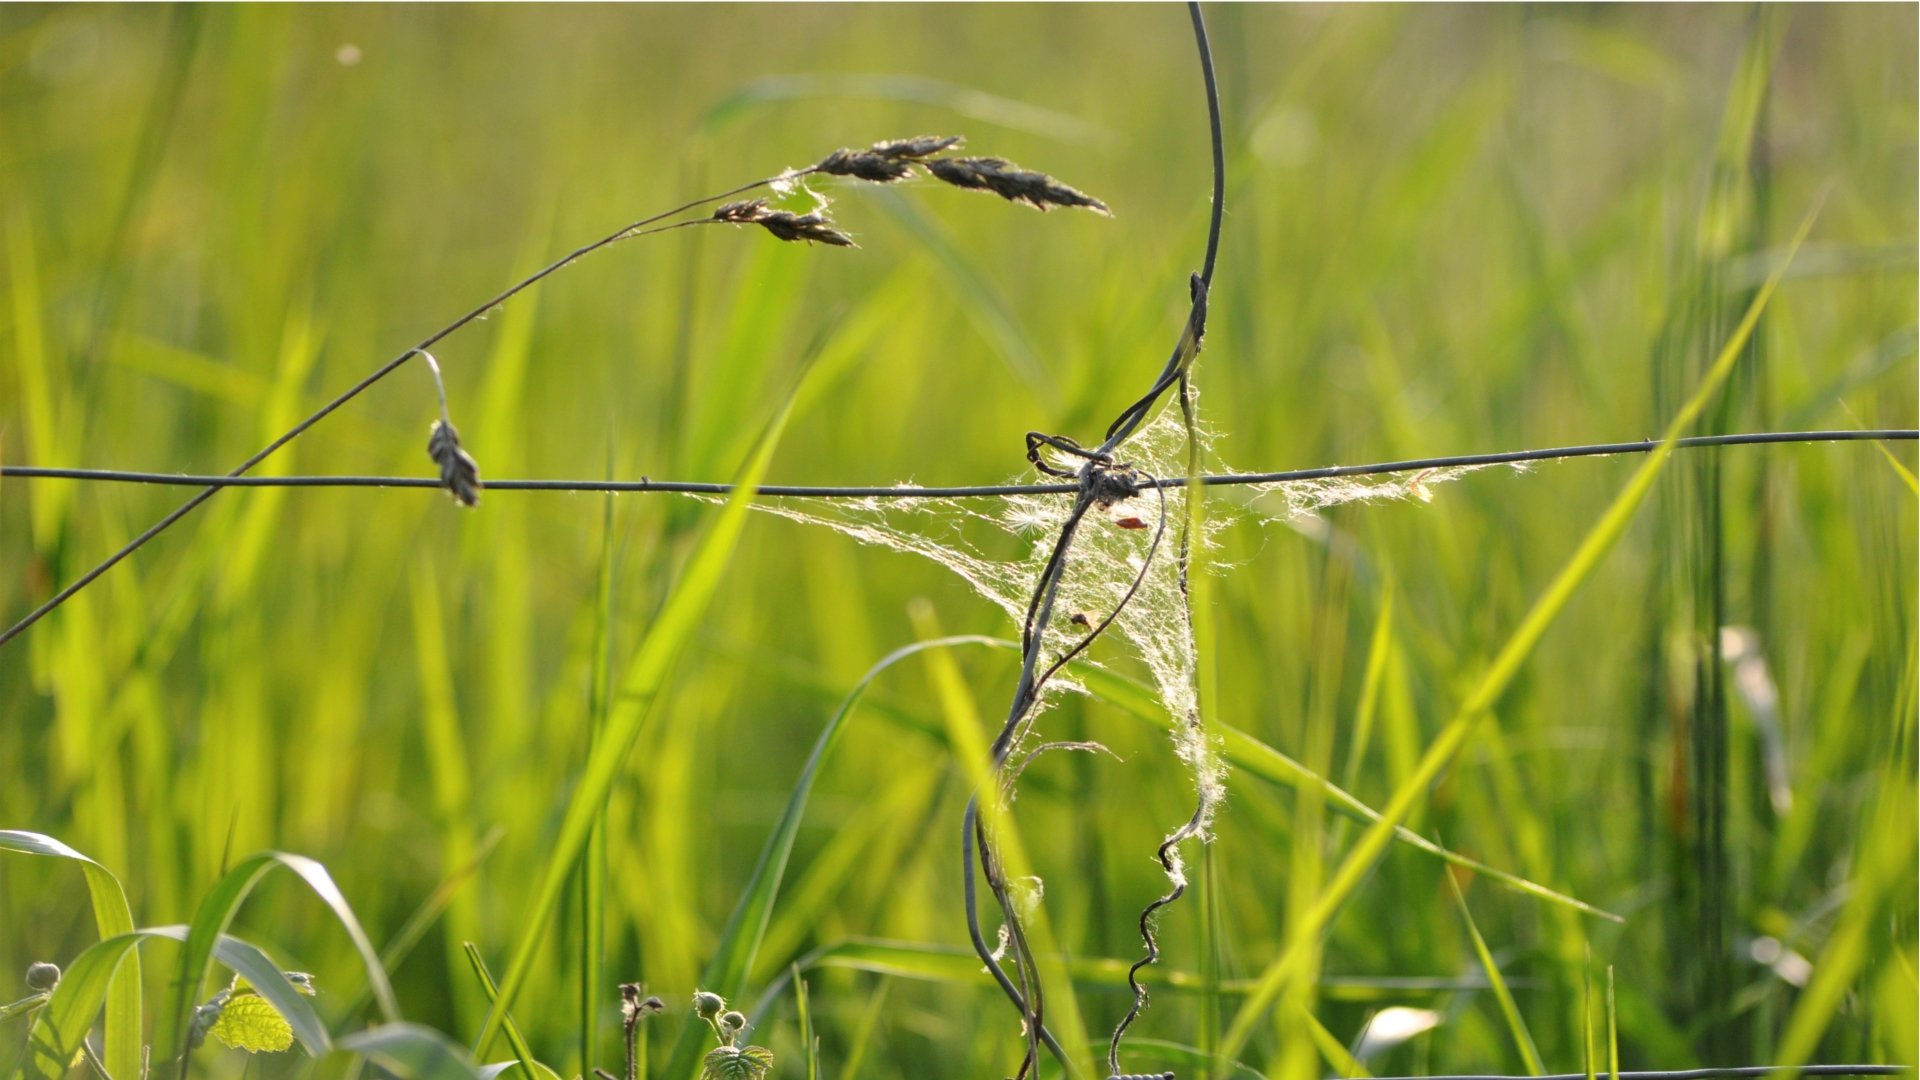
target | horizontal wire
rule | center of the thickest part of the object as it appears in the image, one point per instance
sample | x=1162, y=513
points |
x=694, y=487
x=1731, y=1073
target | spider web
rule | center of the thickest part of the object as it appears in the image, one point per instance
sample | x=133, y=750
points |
x=999, y=545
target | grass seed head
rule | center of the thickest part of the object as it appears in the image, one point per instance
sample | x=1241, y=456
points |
x=459, y=474
x=918, y=147
x=1011, y=182
x=885, y=162
x=783, y=224
x=864, y=165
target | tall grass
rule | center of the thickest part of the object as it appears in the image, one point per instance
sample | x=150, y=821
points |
x=1452, y=229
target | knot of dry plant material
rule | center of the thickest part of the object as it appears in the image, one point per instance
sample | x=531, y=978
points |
x=1067, y=446
x=1011, y=182
x=783, y=224
x=459, y=474
x=1110, y=484
x=885, y=162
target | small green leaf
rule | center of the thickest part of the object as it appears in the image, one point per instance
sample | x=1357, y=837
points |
x=737, y=1063
x=251, y=1023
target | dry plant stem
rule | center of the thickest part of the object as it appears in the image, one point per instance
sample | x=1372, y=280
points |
x=1097, y=465
x=356, y=389
x=1203, y=801
x=820, y=491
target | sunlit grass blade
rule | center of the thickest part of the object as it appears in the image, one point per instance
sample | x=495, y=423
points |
x=871, y=845
x=112, y=917
x=958, y=966
x=1335, y=1052
x=63, y=1023
x=411, y=1052
x=1613, y=1031
x=593, y=874
x=61, y=1027
x=734, y=954
x=252, y=964
x=1248, y=754
x=1905, y=474
x=639, y=688
x=448, y=770
x=861, y=1041
x=1487, y=691
x=809, y=1042
x=402, y=944
x=1883, y=866
x=1588, y=1052
x=522, y=1052
x=216, y=912
x=967, y=736
x=1516, y=1025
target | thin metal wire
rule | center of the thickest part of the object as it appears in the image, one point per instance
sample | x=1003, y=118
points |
x=209, y=490
x=1729, y=1073
x=644, y=486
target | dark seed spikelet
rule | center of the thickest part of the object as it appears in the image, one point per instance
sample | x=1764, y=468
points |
x=885, y=162
x=782, y=224
x=459, y=474
x=1011, y=182
x=919, y=146
x=864, y=165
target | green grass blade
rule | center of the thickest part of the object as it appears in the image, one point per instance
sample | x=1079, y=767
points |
x=251, y=963
x=84, y=985
x=862, y=1039
x=734, y=955
x=447, y=767
x=216, y=912
x=593, y=875
x=968, y=738
x=1586, y=1019
x=1516, y=1026
x=1882, y=866
x=1256, y=758
x=1613, y=1031
x=809, y=1042
x=639, y=687
x=411, y=1052
x=112, y=917
x=522, y=1052
x=1335, y=1052
x=1500, y=673
x=1905, y=474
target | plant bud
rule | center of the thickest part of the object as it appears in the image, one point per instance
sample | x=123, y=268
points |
x=708, y=1005
x=42, y=977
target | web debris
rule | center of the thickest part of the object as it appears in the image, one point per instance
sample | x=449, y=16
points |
x=968, y=536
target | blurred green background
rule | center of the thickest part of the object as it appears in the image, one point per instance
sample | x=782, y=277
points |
x=1449, y=229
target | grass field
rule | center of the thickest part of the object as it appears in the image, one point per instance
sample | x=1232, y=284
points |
x=1449, y=229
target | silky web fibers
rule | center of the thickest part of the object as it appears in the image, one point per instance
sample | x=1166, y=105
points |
x=1124, y=565
x=968, y=536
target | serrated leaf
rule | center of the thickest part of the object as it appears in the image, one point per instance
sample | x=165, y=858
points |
x=737, y=1063
x=251, y=1023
